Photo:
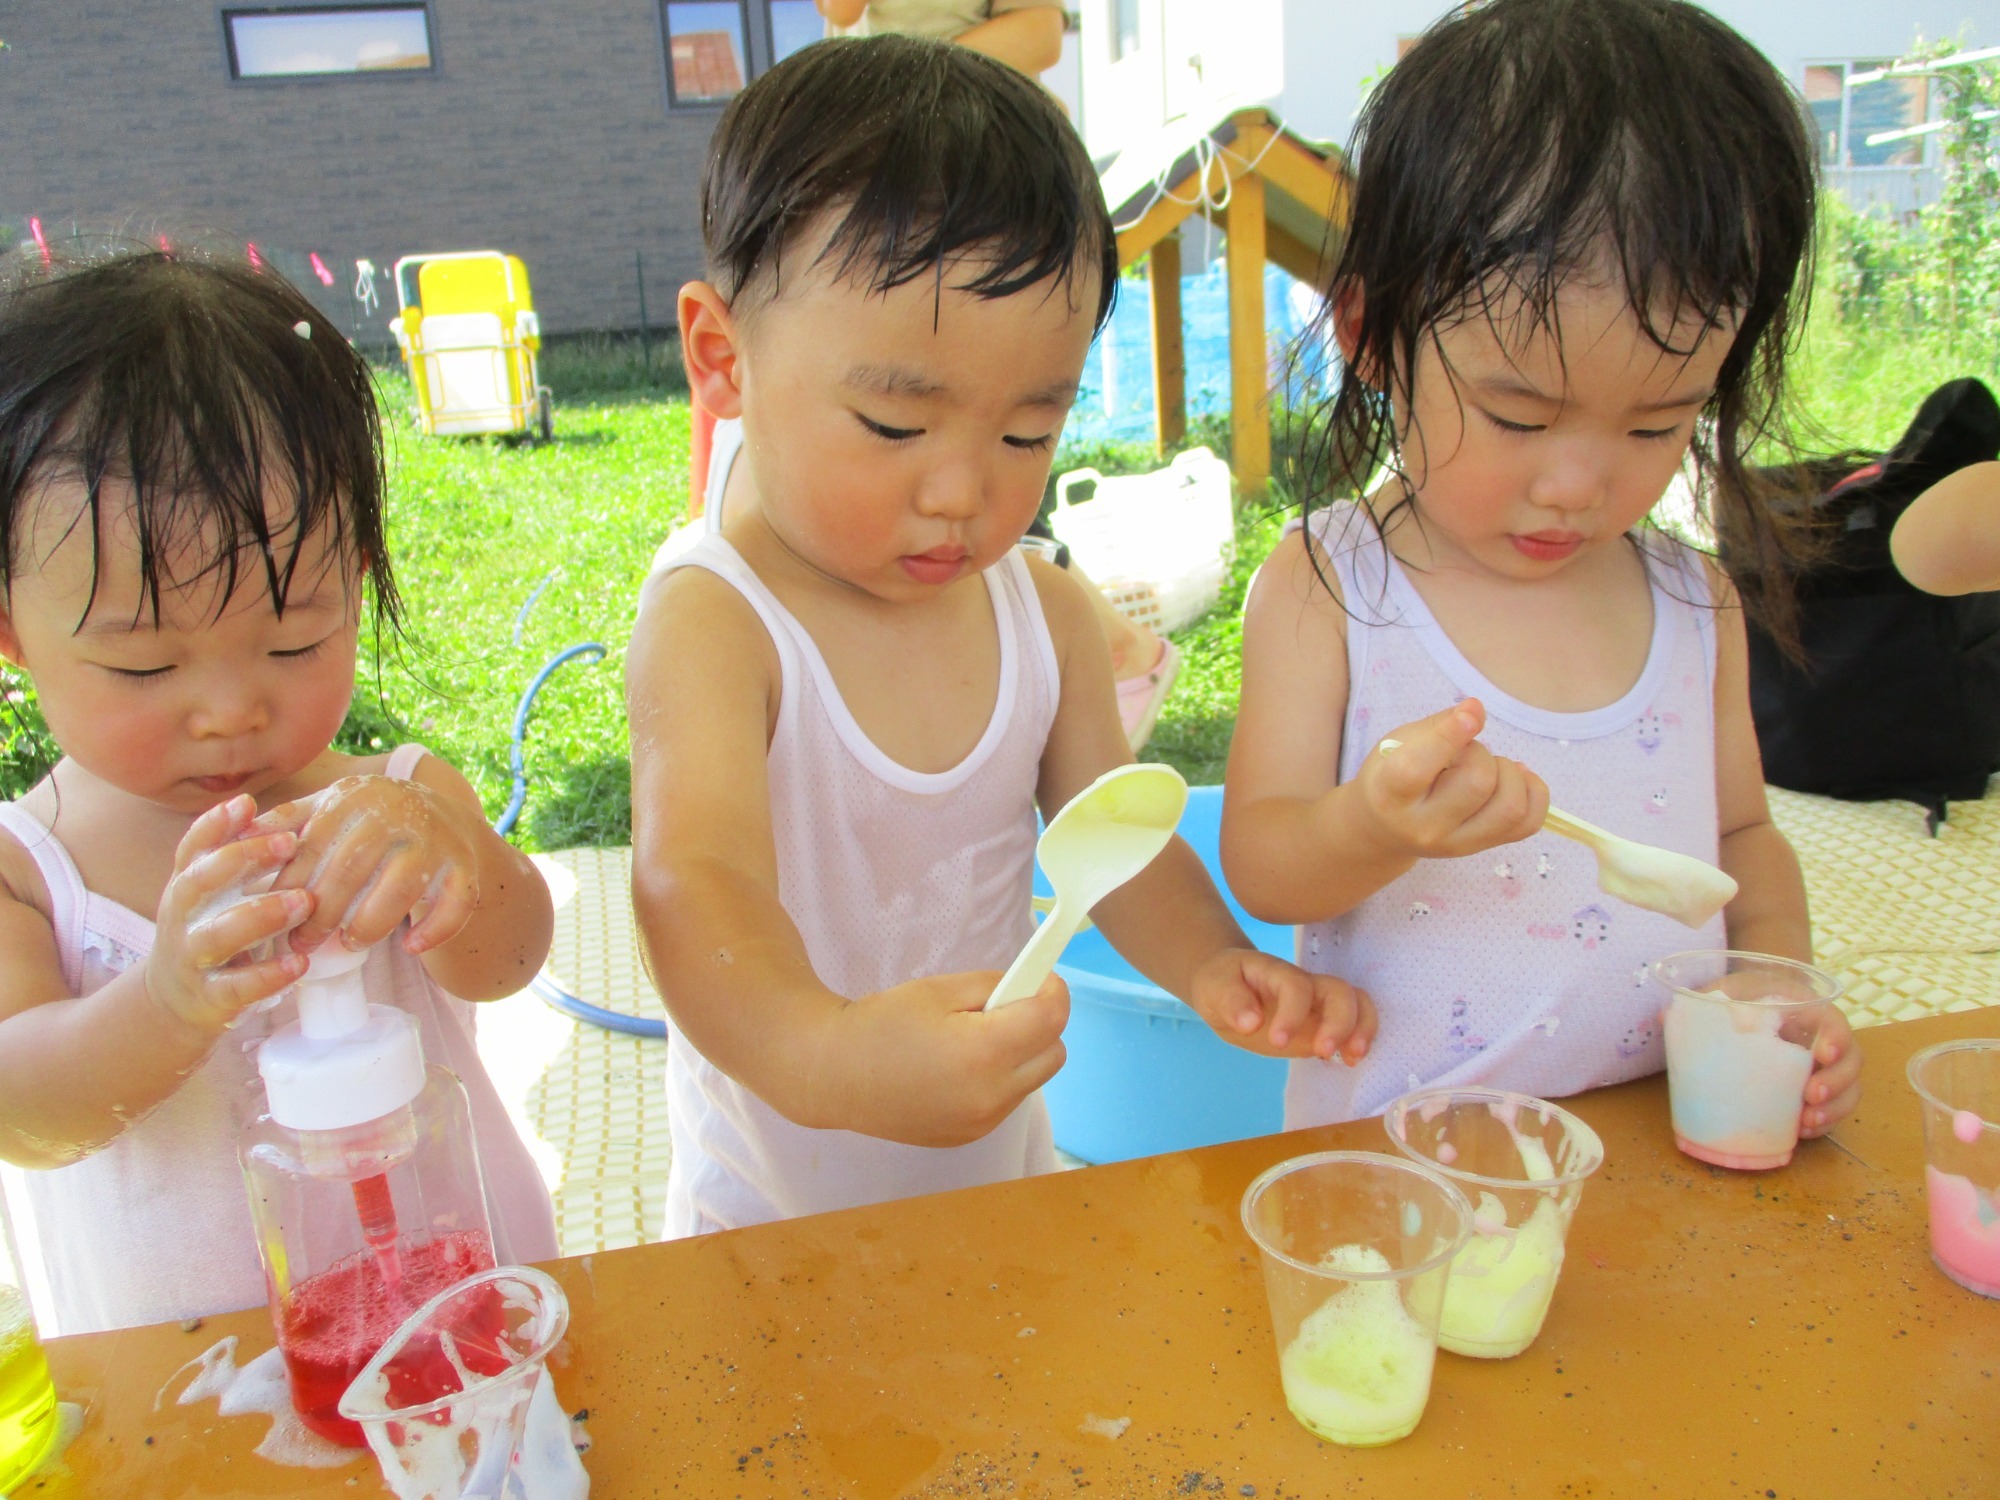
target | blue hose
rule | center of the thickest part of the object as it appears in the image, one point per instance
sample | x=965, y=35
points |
x=557, y=998
x=546, y=989
x=519, y=798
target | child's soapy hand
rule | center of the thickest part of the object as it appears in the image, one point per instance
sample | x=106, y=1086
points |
x=1835, y=1085
x=924, y=1064
x=1437, y=793
x=374, y=850
x=200, y=970
x=1266, y=1005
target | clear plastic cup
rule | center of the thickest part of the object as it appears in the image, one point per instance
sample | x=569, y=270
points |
x=1523, y=1163
x=1740, y=1032
x=28, y=1423
x=1356, y=1249
x=459, y=1405
x=1959, y=1083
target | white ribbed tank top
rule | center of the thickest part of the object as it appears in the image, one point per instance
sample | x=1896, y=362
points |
x=1510, y=967
x=889, y=874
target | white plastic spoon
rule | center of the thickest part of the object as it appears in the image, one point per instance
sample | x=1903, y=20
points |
x=1676, y=885
x=1106, y=834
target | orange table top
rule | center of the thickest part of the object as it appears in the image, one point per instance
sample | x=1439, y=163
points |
x=1715, y=1334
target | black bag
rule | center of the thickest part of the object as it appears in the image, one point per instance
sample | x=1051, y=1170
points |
x=1900, y=696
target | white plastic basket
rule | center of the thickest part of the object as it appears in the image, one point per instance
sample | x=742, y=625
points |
x=1157, y=544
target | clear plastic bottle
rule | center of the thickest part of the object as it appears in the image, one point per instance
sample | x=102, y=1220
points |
x=364, y=1184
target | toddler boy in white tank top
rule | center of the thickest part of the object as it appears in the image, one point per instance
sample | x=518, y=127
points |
x=847, y=705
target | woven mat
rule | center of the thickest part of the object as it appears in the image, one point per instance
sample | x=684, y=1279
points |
x=600, y=1103
x=1911, y=922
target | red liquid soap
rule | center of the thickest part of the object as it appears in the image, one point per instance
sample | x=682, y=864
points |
x=333, y=1323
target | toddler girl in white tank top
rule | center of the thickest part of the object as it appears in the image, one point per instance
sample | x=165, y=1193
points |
x=191, y=495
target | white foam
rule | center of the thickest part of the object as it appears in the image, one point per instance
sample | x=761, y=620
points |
x=258, y=1389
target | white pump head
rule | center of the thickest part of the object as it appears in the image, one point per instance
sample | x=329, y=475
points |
x=345, y=1062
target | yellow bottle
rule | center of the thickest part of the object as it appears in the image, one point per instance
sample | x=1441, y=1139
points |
x=27, y=1395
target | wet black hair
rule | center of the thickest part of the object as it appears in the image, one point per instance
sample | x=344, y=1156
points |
x=185, y=374
x=925, y=151
x=1521, y=143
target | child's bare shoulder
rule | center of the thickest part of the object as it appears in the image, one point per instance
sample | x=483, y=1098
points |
x=1064, y=603
x=697, y=638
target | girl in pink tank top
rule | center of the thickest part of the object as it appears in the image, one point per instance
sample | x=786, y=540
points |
x=1574, y=255
x=190, y=506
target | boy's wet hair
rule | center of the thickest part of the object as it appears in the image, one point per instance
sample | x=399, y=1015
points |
x=187, y=376
x=1522, y=143
x=921, y=151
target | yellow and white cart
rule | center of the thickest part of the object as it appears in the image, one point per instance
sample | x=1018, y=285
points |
x=469, y=334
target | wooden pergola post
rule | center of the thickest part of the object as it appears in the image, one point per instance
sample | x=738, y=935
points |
x=1163, y=267
x=1249, y=406
x=1283, y=198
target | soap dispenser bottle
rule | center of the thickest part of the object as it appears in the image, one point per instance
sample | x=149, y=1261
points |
x=364, y=1183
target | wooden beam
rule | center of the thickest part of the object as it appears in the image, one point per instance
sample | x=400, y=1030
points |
x=1249, y=407
x=1299, y=174
x=1169, y=354
x=1159, y=221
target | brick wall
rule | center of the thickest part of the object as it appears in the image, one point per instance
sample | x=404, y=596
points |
x=544, y=131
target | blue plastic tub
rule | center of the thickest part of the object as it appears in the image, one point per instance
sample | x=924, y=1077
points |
x=1145, y=1074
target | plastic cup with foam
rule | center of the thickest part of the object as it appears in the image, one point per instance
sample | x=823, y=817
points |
x=1740, y=1033
x=459, y=1403
x=1959, y=1084
x=1522, y=1163
x=1357, y=1248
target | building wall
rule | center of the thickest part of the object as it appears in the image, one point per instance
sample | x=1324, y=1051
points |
x=544, y=131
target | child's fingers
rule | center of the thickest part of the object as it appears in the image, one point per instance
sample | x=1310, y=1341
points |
x=1362, y=1039
x=1023, y=1030
x=232, y=991
x=390, y=895
x=1414, y=756
x=213, y=942
x=443, y=910
x=214, y=872
x=345, y=875
x=1513, y=809
x=1286, y=994
x=213, y=829
x=1346, y=1020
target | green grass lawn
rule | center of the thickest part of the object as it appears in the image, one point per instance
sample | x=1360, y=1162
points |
x=477, y=526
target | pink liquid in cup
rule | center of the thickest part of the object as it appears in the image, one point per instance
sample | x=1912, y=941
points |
x=1959, y=1084
x=1965, y=1232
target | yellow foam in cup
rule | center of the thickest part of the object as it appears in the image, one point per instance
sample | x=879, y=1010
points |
x=1359, y=1370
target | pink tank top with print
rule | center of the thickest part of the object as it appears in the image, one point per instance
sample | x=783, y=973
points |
x=1511, y=967
x=156, y=1224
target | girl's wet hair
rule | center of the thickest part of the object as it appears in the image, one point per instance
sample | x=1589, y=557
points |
x=187, y=377
x=922, y=151
x=1522, y=143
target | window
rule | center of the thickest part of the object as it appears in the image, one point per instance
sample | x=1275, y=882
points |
x=1846, y=112
x=705, y=51
x=317, y=41
x=1124, y=29
x=714, y=47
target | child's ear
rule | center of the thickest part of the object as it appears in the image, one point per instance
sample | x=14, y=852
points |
x=711, y=344
x=1347, y=308
x=10, y=643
